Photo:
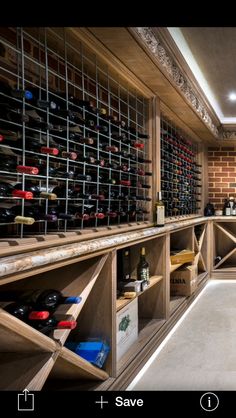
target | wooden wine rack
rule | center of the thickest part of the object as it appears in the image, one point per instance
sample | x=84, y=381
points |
x=35, y=361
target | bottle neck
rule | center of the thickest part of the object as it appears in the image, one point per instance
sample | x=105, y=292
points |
x=159, y=196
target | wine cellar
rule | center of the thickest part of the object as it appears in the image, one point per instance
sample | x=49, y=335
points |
x=117, y=203
x=87, y=129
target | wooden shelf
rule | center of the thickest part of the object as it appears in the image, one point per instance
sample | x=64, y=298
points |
x=153, y=280
x=174, y=267
x=201, y=277
x=147, y=329
x=71, y=366
x=21, y=371
x=83, y=284
x=122, y=301
x=226, y=232
x=17, y=336
x=175, y=302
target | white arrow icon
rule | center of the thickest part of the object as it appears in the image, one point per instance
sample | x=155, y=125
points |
x=25, y=401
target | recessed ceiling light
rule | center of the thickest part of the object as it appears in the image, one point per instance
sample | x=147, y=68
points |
x=232, y=97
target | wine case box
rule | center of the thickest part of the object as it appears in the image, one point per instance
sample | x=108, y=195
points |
x=126, y=327
x=183, y=282
x=184, y=256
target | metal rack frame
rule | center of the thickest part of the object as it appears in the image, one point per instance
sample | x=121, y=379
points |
x=49, y=60
x=180, y=182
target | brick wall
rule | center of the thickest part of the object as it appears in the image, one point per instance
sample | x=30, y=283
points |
x=222, y=174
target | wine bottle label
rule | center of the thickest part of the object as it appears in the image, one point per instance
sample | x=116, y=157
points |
x=144, y=274
x=160, y=215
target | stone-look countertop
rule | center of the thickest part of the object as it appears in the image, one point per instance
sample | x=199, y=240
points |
x=25, y=261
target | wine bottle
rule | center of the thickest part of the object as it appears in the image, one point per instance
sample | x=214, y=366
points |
x=35, y=190
x=159, y=211
x=143, y=268
x=25, y=312
x=63, y=192
x=12, y=115
x=46, y=100
x=6, y=89
x=227, y=208
x=124, y=264
x=47, y=299
x=10, y=190
x=52, y=323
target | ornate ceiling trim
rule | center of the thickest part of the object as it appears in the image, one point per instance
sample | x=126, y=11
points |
x=229, y=135
x=154, y=45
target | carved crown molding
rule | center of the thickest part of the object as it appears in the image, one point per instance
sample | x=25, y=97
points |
x=154, y=45
x=229, y=135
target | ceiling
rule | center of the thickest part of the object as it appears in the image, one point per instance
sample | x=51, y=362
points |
x=210, y=52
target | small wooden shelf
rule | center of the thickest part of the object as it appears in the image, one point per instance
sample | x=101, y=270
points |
x=17, y=336
x=174, y=267
x=201, y=277
x=121, y=302
x=175, y=302
x=21, y=371
x=147, y=329
x=71, y=366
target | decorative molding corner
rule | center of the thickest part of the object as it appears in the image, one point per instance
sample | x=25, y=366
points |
x=229, y=135
x=150, y=39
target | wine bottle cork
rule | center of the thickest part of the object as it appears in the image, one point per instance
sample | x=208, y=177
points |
x=49, y=196
x=129, y=295
x=24, y=220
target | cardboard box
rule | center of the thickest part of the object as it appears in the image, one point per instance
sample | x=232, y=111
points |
x=183, y=282
x=184, y=256
x=126, y=327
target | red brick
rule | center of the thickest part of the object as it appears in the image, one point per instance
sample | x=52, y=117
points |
x=232, y=164
x=229, y=189
x=210, y=164
x=214, y=169
x=212, y=184
x=214, y=159
x=211, y=194
x=220, y=164
x=220, y=184
x=210, y=153
x=222, y=174
x=231, y=153
x=228, y=179
x=216, y=200
x=219, y=194
x=214, y=189
x=228, y=159
x=227, y=148
x=229, y=169
x=221, y=154
x=213, y=148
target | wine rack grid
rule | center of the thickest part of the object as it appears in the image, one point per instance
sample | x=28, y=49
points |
x=48, y=60
x=180, y=181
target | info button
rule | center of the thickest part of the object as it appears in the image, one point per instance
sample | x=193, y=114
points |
x=209, y=401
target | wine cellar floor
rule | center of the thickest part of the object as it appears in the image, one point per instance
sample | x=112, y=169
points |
x=201, y=350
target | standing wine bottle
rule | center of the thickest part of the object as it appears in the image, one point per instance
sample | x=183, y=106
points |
x=143, y=268
x=159, y=211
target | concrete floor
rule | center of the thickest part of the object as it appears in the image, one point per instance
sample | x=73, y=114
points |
x=201, y=353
